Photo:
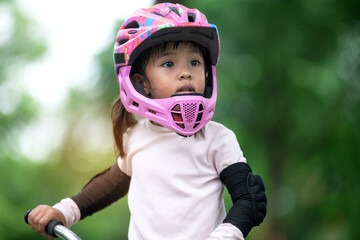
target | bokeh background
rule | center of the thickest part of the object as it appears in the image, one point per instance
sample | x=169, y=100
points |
x=289, y=87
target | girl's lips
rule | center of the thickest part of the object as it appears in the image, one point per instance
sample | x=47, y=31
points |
x=186, y=89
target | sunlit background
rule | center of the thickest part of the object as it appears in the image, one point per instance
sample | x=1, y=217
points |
x=289, y=87
x=73, y=32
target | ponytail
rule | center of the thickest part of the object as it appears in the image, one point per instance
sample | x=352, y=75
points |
x=122, y=120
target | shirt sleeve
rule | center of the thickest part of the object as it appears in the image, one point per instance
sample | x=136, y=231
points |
x=226, y=231
x=125, y=162
x=102, y=190
x=70, y=210
x=125, y=166
x=225, y=149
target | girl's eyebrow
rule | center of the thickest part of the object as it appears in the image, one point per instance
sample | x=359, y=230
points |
x=167, y=53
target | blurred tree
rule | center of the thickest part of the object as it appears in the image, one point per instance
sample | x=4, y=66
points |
x=17, y=109
x=289, y=86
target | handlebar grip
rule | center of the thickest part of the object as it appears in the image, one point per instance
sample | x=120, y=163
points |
x=49, y=227
x=26, y=216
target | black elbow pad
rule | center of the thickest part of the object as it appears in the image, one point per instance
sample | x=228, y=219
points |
x=247, y=193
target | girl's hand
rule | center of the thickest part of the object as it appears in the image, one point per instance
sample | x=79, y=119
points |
x=40, y=216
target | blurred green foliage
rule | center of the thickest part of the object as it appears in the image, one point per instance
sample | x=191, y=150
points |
x=288, y=85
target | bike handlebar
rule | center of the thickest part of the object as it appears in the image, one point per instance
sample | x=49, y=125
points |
x=56, y=228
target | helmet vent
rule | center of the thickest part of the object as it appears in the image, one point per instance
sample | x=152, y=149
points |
x=190, y=109
x=200, y=113
x=156, y=13
x=175, y=10
x=133, y=24
x=122, y=41
x=135, y=104
x=191, y=17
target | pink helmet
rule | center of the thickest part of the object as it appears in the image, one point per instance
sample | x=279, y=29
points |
x=184, y=113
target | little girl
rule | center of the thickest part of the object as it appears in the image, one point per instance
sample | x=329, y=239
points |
x=177, y=159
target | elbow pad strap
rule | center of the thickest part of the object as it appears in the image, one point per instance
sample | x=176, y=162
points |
x=247, y=195
x=102, y=190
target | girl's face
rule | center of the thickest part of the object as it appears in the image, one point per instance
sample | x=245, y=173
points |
x=174, y=71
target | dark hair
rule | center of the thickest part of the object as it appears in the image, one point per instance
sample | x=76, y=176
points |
x=122, y=120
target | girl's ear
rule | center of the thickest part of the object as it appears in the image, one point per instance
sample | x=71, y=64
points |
x=143, y=82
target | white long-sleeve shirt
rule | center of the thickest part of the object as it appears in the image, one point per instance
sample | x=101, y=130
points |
x=175, y=190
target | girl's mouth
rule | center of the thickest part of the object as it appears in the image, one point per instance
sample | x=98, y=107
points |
x=185, y=89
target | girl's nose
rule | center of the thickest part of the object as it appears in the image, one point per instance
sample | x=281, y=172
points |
x=185, y=75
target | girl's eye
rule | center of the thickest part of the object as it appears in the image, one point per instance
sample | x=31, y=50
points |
x=168, y=64
x=195, y=63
